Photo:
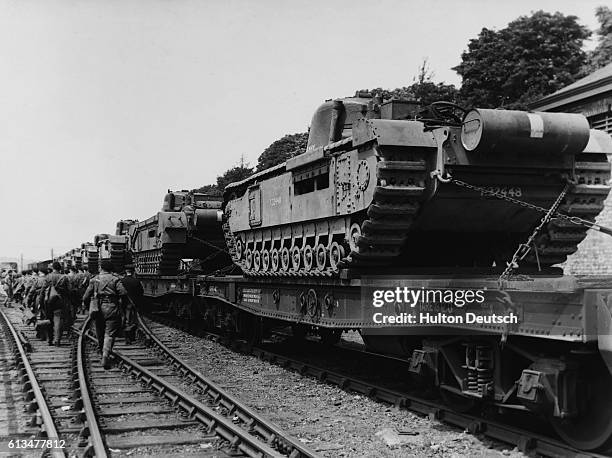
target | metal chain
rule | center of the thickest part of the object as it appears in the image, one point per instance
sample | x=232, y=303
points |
x=524, y=248
x=487, y=192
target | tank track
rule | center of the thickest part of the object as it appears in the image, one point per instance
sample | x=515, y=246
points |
x=376, y=236
x=584, y=200
x=397, y=200
x=164, y=261
x=92, y=262
x=118, y=254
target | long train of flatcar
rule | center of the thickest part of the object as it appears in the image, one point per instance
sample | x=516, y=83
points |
x=391, y=200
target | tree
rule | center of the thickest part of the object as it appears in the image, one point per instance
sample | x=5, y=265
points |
x=423, y=89
x=211, y=189
x=281, y=150
x=236, y=173
x=602, y=54
x=532, y=57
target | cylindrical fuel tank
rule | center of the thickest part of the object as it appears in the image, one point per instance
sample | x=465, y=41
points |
x=207, y=218
x=506, y=131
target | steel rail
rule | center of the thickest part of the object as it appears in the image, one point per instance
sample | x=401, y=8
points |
x=238, y=438
x=526, y=441
x=273, y=435
x=48, y=424
x=91, y=429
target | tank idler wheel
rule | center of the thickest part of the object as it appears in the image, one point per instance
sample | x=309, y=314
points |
x=248, y=258
x=274, y=260
x=265, y=260
x=285, y=259
x=336, y=254
x=296, y=258
x=354, y=234
x=239, y=249
x=308, y=258
x=256, y=260
x=321, y=257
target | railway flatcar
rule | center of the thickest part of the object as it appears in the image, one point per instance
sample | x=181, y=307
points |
x=391, y=202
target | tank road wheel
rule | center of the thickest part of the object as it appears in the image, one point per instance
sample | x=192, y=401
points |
x=296, y=258
x=239, y=249
x=275, y=260
x=591, y=429
x=321, y=257
x=354, y=234
x=248, y=259
x=336, y=253
x=265, y=260
x=308, y=258
x=285, y=259
x=256, y=260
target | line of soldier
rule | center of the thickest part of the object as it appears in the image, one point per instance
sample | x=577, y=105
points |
x=55, y=298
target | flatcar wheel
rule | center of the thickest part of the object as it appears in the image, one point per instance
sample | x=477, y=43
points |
x=321, y=256
x=256, y=260
x=308, y=258
x=265, y=260
x=275, y=259
x=296, y=258
x=591, y=429
x=285, y=259
x=248, y=259
x=336, y=253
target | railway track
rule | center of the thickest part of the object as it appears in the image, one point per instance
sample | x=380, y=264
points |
x=527, y=441
x=97, y=412
x=50, y=377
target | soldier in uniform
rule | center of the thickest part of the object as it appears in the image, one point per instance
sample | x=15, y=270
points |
x=55, y=298
x=75, y=300
x=84, y=279
x=105, y=290
x=35, y=291
x=134, y=299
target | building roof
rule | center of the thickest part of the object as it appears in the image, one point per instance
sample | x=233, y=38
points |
x=596, y=83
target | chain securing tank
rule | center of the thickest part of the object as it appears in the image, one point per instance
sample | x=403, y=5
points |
x=364, y=194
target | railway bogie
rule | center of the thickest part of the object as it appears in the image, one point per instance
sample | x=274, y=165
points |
x=551, y=364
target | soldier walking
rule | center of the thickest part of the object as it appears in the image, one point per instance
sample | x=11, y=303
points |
x=55, y=301
x=135, y=293
x=105, y=291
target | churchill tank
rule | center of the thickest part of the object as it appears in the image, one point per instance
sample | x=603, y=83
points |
x=187, y=227
x=114, y=247
x=89, y=257
x=392, y=184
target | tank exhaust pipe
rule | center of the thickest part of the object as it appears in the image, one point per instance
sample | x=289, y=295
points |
x=335, y=126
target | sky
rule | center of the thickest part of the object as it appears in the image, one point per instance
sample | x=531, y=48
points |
x=105, y=105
